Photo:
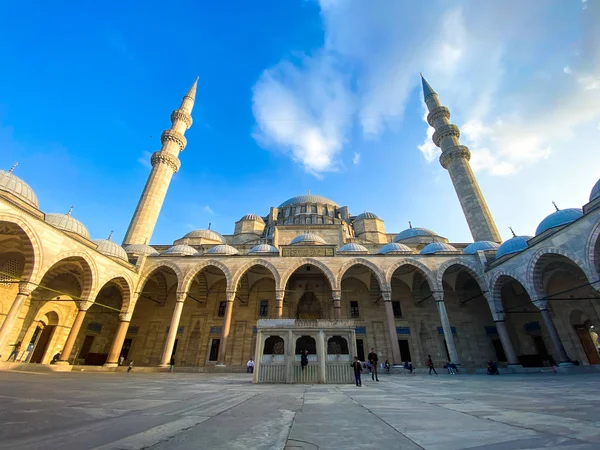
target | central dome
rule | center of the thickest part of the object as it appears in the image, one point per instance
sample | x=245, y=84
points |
x=308, y=199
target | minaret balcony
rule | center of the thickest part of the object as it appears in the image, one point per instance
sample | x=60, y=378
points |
x=174, y=136
x=436, y=113
x=445, y=131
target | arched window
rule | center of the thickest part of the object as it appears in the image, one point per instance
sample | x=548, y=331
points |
x=306, y=343
x=337, y=345
x=274, y=345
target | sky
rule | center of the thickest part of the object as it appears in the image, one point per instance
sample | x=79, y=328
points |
x=301, y=95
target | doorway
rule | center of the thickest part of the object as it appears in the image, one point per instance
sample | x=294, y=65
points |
x=309, y=307
x=589, y=347
x=404, y=350
x=214, y=350
x=41, y=346
x=126, y=348
x=500, y=355
x=360, y=349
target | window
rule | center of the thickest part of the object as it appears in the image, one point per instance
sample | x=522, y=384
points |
x=214, y=350
x=264, y=308
x=397, y=309
x=354, y=309
x=221, y=312
x=303, y=209
x=314, y=208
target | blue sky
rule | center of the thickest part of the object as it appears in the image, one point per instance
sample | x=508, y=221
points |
x=300, y=95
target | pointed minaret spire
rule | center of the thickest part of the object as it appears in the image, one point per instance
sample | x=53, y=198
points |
x=512, y=231
x=70, y=210
x=110, y=235
x=165, y=163
x=455, y=159
x=14, y=166
x=409, y=224
x=555, y=207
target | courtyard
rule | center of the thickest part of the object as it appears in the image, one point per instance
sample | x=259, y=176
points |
x=84, y=410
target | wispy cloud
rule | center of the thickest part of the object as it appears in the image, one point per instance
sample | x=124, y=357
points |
x=144, y=160
x=356, y=159
x=208, y=209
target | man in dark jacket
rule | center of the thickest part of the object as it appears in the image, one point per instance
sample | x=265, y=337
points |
x=357, y=366
x=304, y=359
x=373, y=360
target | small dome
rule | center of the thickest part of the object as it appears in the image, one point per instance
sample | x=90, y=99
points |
x=222, y=249
x=485, y=246
x=264, y=248
x=206, y=234
x=140, y=249
x=253, y=217
x=394, y=248
x=513, y=245
x=17, y=187
x=559, y=218
x=366, y=215
x=595, y=191
x=308, y=199
x=182, y=250
x=67, y=222
x=110, y=248
x=353, y=248
x=308, y=239
x=437, y=247
x=413, y=232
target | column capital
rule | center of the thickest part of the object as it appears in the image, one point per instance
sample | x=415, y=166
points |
x=85, y=305
x=26, y=288
x=230, y=296
x=541, y=304
x=181, y=296
x=387, y=296
x=500, y=318
x=279, y=294
x=337, y=295
x=438, y=296
x=125, y=317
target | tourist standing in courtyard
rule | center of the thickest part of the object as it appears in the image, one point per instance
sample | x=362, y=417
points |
x=121, y=359
x=15, y=352
x=430, y=365
x=357, y=366
x=172, y=364
x=304, y=359
x=373, y=358
x=250, y=366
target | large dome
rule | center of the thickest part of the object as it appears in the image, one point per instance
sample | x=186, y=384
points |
x=140, y=249
x=394, y=248
x=264, y=249
x=110, y=248
x=484, y=246
x=308, y=199
x=308, y=239
x=595, y=191
x=181, y=250
x=353, y=247
x=222, y=249
x=67, y=222
x=559, y=218
x=206, y=234
x=438, y=247
x=17, y=187
x=513, y=245
x=413, y=232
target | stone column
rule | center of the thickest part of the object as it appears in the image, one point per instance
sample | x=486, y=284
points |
x=25, y=290
x=509, y=350
x=168, y=350
x=337, y=304
x=226, y=327
x=439, y=299
x=258, y=355
x=68, y=348
x=321, y=356
x=279, y=296
x=289, y=357
x=117, y=345
x=564, y=360
x=391, y=323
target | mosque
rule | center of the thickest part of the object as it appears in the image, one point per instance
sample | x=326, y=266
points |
x=408, y=294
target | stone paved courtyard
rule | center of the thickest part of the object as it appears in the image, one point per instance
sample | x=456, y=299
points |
x=203, y=411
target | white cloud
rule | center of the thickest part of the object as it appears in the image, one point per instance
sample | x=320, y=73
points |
x=356, y=158
x=567, y=70
x=208, y=209
x=144, y=160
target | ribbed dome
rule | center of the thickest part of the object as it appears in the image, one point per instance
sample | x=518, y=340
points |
x=222, y=249
x=17, y=187
x=308, y=199
x=66, y=222
x=253, y=217
x=140, y=249
x=206, y=234
x=110, y=248
x=595, y=191
x=182, y=250
x=308, y=239
x=366, y=215
x=513, y=245
x=438, y=247
x=558, y=218
x=413, y=232
x=264, y=248
x=353, y=248
x=485, y=246
x=394, y=248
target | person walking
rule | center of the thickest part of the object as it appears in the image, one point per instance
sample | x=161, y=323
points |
x=304, y=359
x=130, y=368
x=15, y=352
x=373, y=358
x=450, y=368
x=121, y=359
x=357, y=366
x=430, y=365
x=172, y=364
x=250, y=366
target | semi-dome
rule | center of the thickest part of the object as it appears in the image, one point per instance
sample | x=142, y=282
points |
x=352, y=247
x=438, y=247
x=253, y=217
x=263, y=249
x=67, y=222
x=110, y=248
x=9, y=182
x=394, y=248
x=513, y=245
x=366, y=215
x=559, y=218
x=308, y=239
x=485, y=246
x=222, y=249
x=413, y=232
x=595, y=191
x=308, y=199
x=140, y=249
x=182, y=250
x=206, y=234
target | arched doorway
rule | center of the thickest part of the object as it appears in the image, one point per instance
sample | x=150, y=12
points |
x=587, y=335
x=309, y=307
x=42, y=337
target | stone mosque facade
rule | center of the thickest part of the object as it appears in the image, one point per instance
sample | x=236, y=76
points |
x=408, y=294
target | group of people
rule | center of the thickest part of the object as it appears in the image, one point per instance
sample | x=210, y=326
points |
x=373, y=360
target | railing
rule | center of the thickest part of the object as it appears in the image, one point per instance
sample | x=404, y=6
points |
x=339, y=373
x=310, y=374
x=271, y=373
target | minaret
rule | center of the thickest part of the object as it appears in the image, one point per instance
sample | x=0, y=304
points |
x=165, y=163
x=455, y=159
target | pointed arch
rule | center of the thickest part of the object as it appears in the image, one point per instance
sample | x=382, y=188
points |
x=90, y=285
x=313, y=262
x=149, y=271
x=256, y=262
x=471, y=268
x=383, y=285
x=427, y=273
x=592, y=251
x=495, y=288
x=34, y=252
x=191, y=274
x=124, y=287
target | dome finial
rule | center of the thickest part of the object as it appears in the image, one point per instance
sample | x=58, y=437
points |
x=209, y=224
x=512, y=231
x=409, y=224
x=70, y=210
x=110, y=235
x=12, y=169
x=556, y=207
x=309, y=192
